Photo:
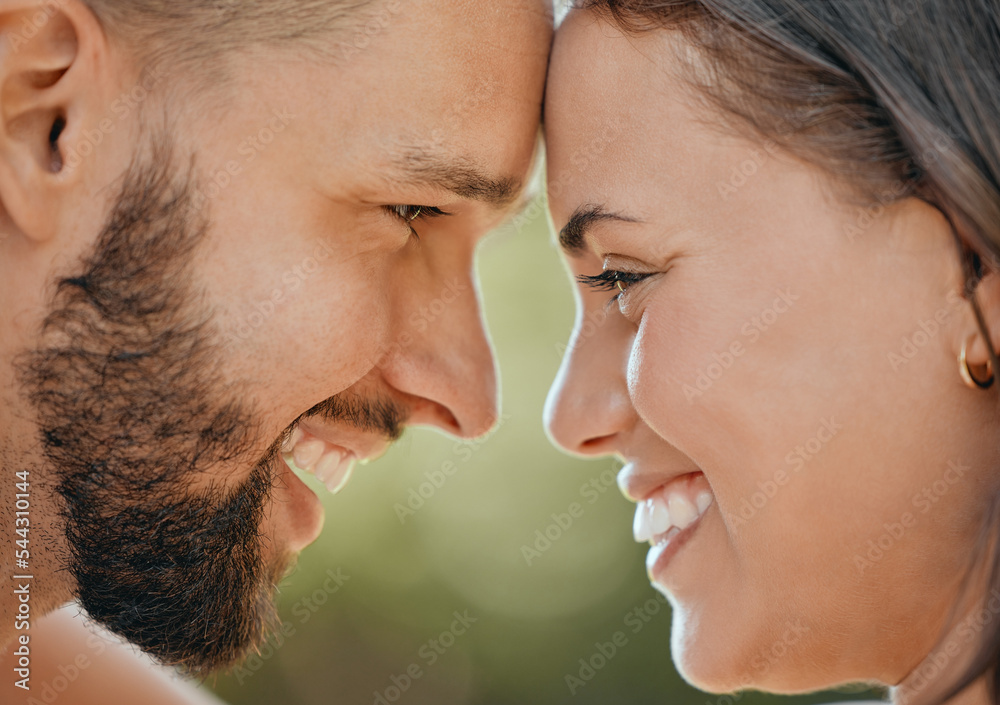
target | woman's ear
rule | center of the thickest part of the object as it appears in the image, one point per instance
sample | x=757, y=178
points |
x=987, y=298
x=53, y=79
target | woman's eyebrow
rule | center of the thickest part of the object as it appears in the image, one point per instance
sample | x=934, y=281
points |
x=572, y=238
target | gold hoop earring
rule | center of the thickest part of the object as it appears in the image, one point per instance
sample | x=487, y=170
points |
x=963, y=369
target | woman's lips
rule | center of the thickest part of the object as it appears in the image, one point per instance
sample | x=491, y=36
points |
x=663, y=551
x=668, y=516
x=677, y=503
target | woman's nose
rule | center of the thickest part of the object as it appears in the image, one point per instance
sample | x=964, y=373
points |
x=588, y=406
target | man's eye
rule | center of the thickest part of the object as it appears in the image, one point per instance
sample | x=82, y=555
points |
x=408, y=214
x=611, y=280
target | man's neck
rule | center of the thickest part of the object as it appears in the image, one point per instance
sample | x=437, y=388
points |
x=32, y=543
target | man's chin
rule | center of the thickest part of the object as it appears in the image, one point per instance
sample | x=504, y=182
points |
x=200, y=637
x=190, y=580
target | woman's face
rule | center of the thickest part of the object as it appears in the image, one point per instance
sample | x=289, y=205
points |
x=791, y=354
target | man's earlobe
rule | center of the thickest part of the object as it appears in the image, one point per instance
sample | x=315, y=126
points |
x=50, y=60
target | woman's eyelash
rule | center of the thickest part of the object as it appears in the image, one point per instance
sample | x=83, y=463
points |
x=611, y=280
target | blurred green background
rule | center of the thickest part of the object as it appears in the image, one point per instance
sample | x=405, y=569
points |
x=377, y=594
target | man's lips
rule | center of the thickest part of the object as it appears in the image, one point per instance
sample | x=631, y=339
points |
x=303, y=508
x=365, y=445
x=311, y=449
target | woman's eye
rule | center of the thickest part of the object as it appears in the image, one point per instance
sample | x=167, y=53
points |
x=611, y=280
x=409, y=214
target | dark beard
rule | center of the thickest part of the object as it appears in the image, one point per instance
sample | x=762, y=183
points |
x=131, y=411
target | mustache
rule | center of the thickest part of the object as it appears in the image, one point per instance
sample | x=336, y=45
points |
x=378, y=414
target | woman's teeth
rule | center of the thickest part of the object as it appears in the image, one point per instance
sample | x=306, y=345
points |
x=671, y=506
x=306, y=454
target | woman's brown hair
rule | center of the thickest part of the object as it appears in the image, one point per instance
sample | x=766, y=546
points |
x=895, y=98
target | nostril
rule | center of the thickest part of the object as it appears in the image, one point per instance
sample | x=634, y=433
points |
x=599, y=444
x=424, y=412
x=450, y=420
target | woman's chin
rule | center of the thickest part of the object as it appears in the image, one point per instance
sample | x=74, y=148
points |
x=717, y=661
x=708, y=671
x=713, y=675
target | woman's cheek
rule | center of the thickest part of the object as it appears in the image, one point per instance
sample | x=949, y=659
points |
x=661, y=355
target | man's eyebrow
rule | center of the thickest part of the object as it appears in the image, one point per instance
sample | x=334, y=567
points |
x=460, y=176
x=572, y=237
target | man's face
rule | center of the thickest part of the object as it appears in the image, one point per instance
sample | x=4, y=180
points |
x=289, y=263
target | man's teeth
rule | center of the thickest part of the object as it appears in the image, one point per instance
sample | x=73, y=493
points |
x=666, y=508
x=334, y=469
x=308, y=452
x=331, y=465
x=293, y=439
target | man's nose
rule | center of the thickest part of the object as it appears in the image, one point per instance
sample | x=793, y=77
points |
x=440, y=356
x=588, y=406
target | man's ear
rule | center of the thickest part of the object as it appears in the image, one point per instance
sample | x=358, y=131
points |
x=53, y=78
